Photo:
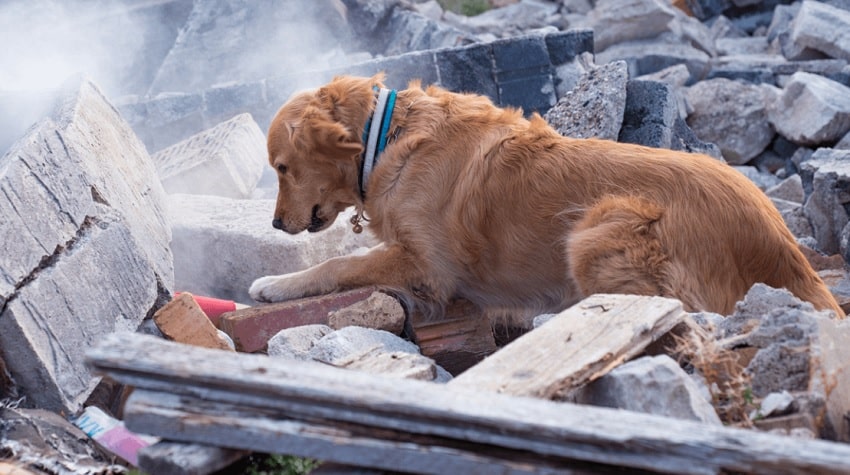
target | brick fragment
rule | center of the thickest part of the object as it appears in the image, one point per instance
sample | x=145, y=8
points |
x=182, y=320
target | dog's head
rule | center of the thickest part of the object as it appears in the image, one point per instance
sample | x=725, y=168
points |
x=315, y=143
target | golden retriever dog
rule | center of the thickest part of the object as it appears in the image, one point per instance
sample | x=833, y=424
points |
x=471, y=200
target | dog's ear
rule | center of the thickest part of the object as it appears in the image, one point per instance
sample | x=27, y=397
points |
x=317, y=131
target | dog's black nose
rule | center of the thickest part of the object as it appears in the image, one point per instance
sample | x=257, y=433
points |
x=277, y=223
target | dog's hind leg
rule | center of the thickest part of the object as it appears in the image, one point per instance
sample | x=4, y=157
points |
x=614, y=248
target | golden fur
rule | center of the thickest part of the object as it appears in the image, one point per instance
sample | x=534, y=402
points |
x=475, y=201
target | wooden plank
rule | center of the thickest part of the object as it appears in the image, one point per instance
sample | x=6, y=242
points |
x=316, y=393
x=458, y=341
x=195, y=419
x=177, y=458
x=575, y=347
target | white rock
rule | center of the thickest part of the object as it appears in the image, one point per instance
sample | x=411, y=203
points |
x=811, y=110
x=824, y=28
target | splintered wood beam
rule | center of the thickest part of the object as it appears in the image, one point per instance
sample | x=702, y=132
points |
x=578, y=345
x=257, y=388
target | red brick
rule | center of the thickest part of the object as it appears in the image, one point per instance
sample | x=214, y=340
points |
x=251, y=328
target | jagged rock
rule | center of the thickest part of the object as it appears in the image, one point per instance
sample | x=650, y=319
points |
x=811, y=110
x=594, y=108
x=732, y=115
x=221, y=245
x=693, y=31
x=85, y=244
x=794, y=217
x=376, y=351
x=297, y=342
x=822, y=27
x=48, y=443
x=653, y=385
x=789, y=189
x=747, y=45
x=705, y=9
x=844, y=143
x=797, y=349
x=226, y=160
x=722, y=27
x=826, y=177
x=512, y=20
x=651, y=118
x=616, y=21
x=380, y=312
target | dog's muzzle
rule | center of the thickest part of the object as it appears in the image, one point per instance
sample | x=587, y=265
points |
x=277, y=223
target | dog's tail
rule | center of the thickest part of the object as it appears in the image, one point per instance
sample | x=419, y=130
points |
x=798, y=276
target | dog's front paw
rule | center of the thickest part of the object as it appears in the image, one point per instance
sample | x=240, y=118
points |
x=275, y=288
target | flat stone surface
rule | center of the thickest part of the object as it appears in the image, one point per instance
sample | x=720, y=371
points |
x=226, y=160
x=85, y=244
x=296, y=342
x=826, y=176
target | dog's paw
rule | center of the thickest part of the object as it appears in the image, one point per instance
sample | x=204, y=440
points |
x=271, y=288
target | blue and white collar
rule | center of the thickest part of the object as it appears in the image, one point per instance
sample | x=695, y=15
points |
x=375, y=135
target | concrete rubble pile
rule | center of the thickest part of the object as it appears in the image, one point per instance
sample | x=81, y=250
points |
x=115, y=200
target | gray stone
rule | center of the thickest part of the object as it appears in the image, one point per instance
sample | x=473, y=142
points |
x=43, y=439
x=822, y=27
x=722, y=27
x=222, y=245
x=651, y=118
x=794, y=216
x=789, y=189
x=652, y=385
x=705, y=9
x=234, y=40
x=844, y=143
x=85, y=244
x=226, y=160
x=732, y=115
x=645, y=57
x=407, y=31
x=615, y=21
x=761, y=179
x=827, y=175
x=594, y=108
x=779, y=33
x=380, y=312
x=511, y=20
x=747, y=45
x=297, y=342
x=696, y=33
x=811, y=110
x=779, y=403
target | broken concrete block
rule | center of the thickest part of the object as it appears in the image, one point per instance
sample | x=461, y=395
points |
x=222, y=245
x=651, y=118
x=811, y=110
x=595, y=106
x=48, y=443
x=183, y=321
x=732, y=115
x=226, y=160
x=616, y=21
x=826, y=176
x=85, y=244
x=296, y=342
x=375, y=351
x=794, y=217
x=798, y=349
x=822, y=27
x=652, y=385
x=251, y=328
x=649, y=56
x=380, y=312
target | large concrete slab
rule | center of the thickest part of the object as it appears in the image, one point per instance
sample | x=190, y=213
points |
x=84, y=244
x=221, y=245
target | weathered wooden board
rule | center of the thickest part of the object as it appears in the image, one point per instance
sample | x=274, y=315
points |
x=195, y=419
x=575, y=347
x=319, y=394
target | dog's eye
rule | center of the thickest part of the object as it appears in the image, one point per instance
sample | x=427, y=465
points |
x=282, y=169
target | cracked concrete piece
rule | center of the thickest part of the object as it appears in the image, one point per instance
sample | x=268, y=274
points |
x=239, y=234
x=226, y=160
x=84, y=244
x=824, y=28
x=811, y=110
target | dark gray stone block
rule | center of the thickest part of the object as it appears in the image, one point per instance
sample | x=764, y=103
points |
x=468, y=69
x=650, y=114
x=532, y=94
x=515, y=58
x=563, y=47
